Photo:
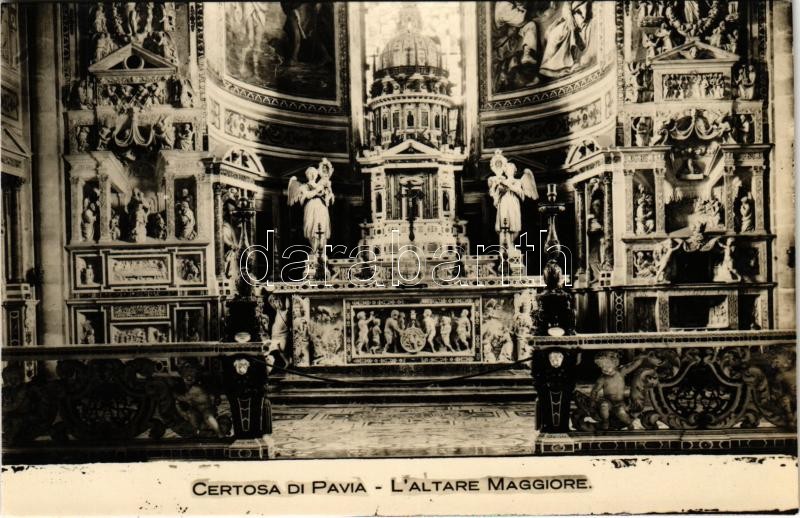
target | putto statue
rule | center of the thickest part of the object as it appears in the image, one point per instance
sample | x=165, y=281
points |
x=507, y=191
x=316, y=196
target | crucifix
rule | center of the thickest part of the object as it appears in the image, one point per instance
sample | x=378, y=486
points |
x=412, y=192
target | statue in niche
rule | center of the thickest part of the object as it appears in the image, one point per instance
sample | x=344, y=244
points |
x=85, y=95
x=745, y=128
x=644, y=220
x=164, y=133
x=664, y=254
x=639, y=82
x=87, y=332
x=138, y=211
x=316, y=196
x=189, y=270
x=726, y=270
x=507, y=192
x=746, y=82
x=746, y=223
x=159, y=227
x=87, y=274
x=115, y=232
x=185, y=218
x=82, y=139
x=595, y=216
x=89, y=216
x=184, y=93
x=185, y=138
x=642, y=130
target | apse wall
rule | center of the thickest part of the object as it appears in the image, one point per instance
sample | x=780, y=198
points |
x=547, y=81
x=278, y=94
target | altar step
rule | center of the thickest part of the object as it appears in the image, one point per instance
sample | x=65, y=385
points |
x=506, y=386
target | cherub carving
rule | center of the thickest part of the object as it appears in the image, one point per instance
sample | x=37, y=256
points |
x=608, y=392
x=195, y=404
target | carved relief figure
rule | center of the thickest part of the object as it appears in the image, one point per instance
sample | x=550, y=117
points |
x=195, y=404
x=316, y=196
x=746, y=82
x=608, y=391
x=507, y=192
x=644, y=266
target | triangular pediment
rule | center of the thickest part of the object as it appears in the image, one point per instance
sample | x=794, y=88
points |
x=117, y=62
x=695, y=50
x=411, y=147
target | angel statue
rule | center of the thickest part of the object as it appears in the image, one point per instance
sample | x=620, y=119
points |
x=316, y=196
x=507, y=191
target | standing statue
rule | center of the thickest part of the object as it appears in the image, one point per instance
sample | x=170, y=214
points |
x=89, y=219
x=316, y=196
x=187, y=224
x=507, y=191
x=137, y=217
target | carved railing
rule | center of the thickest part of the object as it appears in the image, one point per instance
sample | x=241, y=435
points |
x=121, y=402
x=708, y=391
x=679, y=391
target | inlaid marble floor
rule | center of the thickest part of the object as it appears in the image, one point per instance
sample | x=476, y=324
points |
x=402, y=430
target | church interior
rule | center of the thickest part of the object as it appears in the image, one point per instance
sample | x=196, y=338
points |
x=253, y=230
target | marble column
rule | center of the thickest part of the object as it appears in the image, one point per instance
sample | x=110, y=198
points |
x=219, y=249
x=608, y=223
x=48, y=171
x=580, y=230
x=730, y=197
x=105, y=206
x=76, y=192
x=757, y=190
x=169, y=187
x=630, y=201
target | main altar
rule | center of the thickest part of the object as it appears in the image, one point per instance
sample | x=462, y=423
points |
x=413, y=291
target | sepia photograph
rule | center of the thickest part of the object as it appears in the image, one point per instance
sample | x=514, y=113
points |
x=398, y=258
